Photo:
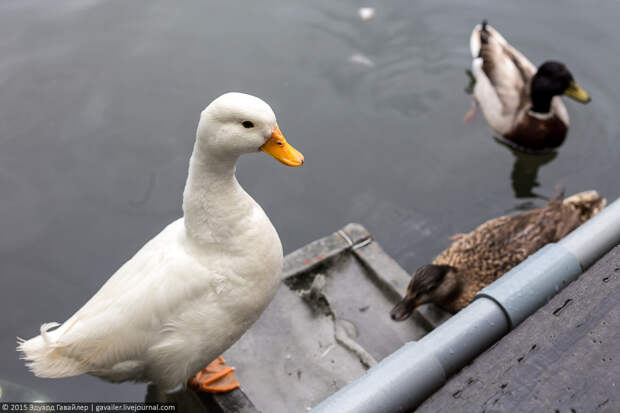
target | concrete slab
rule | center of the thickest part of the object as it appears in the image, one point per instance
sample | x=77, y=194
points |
x=302, y=350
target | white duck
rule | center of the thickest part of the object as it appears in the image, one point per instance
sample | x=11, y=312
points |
x=195, y=288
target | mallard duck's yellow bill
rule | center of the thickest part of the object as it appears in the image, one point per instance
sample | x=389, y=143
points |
x=278, y=147
x=576, y=92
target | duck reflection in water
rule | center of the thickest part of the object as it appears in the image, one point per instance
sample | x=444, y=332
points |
x=524, y=175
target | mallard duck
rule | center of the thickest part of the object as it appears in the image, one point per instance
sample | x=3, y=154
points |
x=478, y=258
x=191, y=291
x=519, y=102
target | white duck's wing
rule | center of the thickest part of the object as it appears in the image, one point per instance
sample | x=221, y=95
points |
x=111, y=333
x=503, y=77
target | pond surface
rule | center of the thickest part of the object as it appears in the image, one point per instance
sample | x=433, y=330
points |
x=100, y=101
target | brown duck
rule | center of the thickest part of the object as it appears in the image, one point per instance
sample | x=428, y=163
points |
x=477, y=259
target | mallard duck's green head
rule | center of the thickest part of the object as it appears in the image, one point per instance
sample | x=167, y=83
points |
x=554, y=79
x=430, y=284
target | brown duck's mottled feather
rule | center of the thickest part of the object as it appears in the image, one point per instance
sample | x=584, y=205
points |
x=496, y=246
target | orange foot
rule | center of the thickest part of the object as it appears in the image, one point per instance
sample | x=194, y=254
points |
x=457, y=237
x=217, y=377
x=471, y=112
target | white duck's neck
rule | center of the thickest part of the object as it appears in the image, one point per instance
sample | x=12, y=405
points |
x=214, y=204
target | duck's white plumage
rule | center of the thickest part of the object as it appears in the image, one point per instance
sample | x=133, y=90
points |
x=193, y=289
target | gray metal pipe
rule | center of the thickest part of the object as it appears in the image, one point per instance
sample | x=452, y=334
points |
x=528, y=286
x=598, y=234
x=408, y=376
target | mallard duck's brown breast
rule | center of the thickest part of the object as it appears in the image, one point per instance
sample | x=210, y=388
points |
x=538, y=133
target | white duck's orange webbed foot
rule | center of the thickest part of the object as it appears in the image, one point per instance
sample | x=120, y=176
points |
x=217, y=377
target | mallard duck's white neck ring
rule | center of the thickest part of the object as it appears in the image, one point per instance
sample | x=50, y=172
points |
x=541, y=116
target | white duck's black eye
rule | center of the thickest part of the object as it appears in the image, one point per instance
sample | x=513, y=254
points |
x=247, y=124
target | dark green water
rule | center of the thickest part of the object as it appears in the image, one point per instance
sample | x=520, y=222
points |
x=99, y=102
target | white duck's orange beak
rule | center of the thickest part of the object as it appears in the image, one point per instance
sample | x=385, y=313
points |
x=278, y=147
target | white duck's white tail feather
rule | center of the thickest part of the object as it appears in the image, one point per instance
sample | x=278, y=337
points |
x=44, y=332
x=45, y=358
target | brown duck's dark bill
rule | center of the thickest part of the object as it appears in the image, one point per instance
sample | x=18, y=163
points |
x=402, y=310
